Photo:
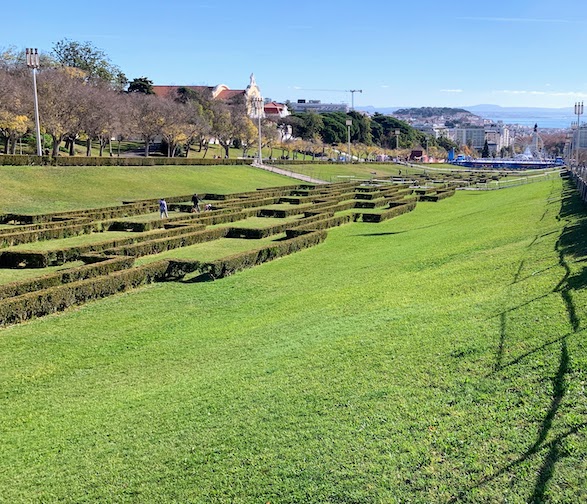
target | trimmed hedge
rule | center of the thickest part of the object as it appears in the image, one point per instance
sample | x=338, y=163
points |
x=142, y=161
x=56, y=232
x=23, y=160
x=320, y=225
x=438, y=196
x=104, y=267
x=230, y=265
x=374, y=203
x=53, y=299
x=393, y=212
x=45, y=258
x=157, y=246
x=258, y=233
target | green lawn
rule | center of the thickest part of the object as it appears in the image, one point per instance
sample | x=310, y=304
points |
x=436, y=357
x=30, y=189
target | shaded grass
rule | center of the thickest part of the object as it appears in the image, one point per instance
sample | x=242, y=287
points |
x=437, y=356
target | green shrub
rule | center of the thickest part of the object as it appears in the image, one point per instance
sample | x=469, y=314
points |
x=50, y=300
x=104, y=267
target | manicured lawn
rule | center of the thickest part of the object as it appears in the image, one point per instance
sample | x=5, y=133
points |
x=436, y=357
x=73, y=241
x=340, y=172
x=30, y=189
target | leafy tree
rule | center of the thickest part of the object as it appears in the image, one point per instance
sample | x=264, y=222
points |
x=141, y=85
x=91, y=60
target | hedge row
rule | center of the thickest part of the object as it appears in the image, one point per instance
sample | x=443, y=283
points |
x=156, y=246
x=229, y=265
x=104, y=267
x=393, y=212
x=53, y=299
x=45, y=258
x=142, y=161
x=91, y=213
x=59, y=231
x=374, y=203
x=258, y=233
x=438, y=196
x=23, y=160
x=320, y=225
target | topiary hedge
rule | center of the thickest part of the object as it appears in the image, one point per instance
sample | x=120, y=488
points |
x=104, y=267
x=230, y=265
x=53, y=299
x=379, y=217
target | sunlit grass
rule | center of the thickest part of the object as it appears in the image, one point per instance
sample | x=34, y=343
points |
x=436, y=357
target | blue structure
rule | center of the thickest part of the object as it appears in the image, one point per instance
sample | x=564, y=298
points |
x=507, y=164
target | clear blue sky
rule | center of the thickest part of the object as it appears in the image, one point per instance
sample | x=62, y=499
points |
x=399, y=53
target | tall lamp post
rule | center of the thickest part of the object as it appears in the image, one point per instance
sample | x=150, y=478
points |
x=578, y=113
x=260, y=113
x=349, y=123
x=32, y=61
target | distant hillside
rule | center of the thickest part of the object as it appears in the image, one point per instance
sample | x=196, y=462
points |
x=429, y=112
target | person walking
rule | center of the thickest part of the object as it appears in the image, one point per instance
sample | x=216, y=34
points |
x=163, y=208
x=196, y=203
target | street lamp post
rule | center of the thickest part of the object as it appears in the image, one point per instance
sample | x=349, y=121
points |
x=349, y=123
x=578, y=113
x=258, y=111
x=32, y=61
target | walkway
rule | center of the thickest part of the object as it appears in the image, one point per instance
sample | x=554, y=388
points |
x=289, y=173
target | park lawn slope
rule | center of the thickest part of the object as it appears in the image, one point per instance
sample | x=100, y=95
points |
x=436, y=356
x=40, y=189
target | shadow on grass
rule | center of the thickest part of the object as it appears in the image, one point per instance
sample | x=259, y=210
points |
x=571, y=243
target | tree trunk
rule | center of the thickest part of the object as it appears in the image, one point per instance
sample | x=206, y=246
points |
x=6, y=140
x=206, y=149
x=146, y=148
x=109, y=145
x=101, y=142
x=71, y=147
x=88, y=147
x=119, y=146
x=56, y=142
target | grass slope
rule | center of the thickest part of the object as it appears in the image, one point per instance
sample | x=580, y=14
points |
x=30, y=189
x=436, y=357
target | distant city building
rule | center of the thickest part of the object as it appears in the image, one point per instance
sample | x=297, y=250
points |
x=498, y=135
x=473, y=136
x=318, y=107
x=275, y=111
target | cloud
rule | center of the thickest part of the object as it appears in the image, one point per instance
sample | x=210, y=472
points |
x=384, y=86
x=518, y=20
x=451, y=90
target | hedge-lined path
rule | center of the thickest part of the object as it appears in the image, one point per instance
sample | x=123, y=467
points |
x=289, y=173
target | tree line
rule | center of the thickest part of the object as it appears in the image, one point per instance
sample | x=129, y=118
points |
x=82, y=96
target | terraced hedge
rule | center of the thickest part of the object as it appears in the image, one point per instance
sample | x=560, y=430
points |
x=53, y=299
x=106, y=266
x=379, y=217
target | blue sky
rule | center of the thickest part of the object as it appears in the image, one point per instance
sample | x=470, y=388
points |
x=423, y=53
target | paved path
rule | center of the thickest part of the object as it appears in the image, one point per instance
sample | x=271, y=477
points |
x=289, y=173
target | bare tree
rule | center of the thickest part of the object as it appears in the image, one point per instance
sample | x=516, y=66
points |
x=147, y=117
x=59, y=94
